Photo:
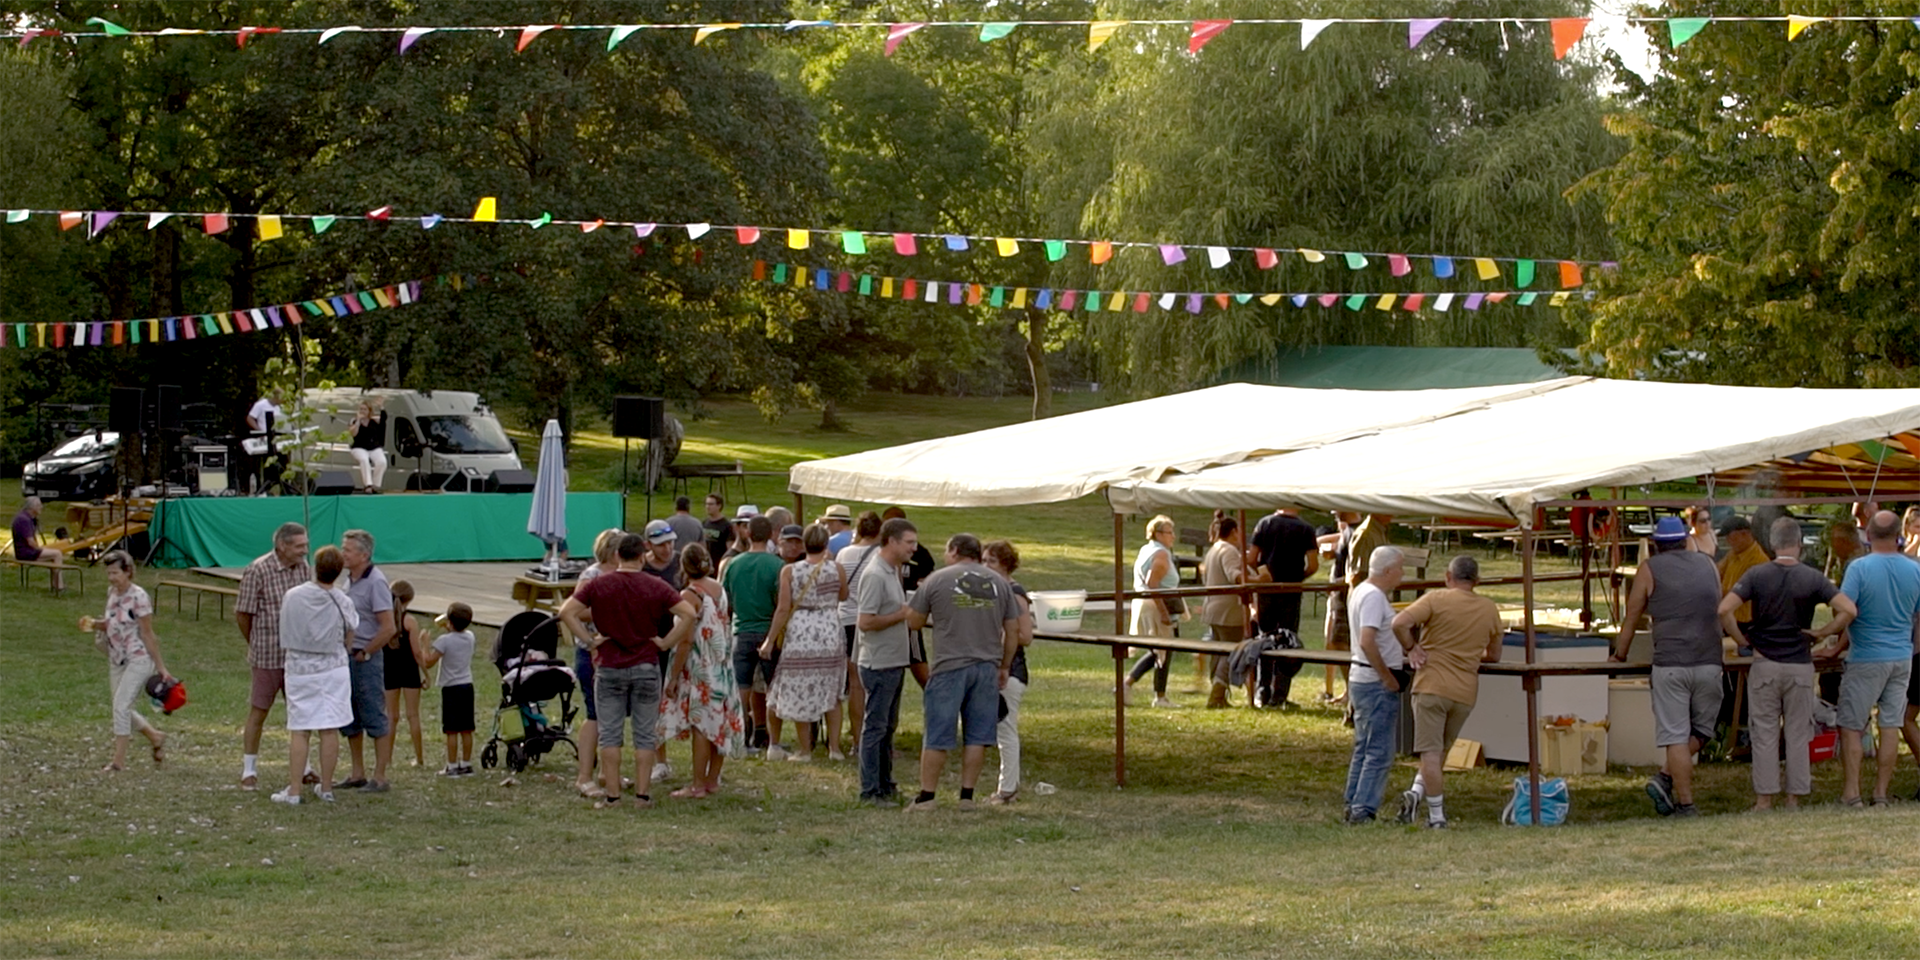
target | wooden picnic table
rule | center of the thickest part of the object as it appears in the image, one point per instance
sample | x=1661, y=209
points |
x=537, y=594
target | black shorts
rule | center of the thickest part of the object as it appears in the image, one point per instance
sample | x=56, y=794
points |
x=850, y=634
x=400, y=670
x=1913, y=686
x=456, y=708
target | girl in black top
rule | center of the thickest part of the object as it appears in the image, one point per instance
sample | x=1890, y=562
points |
x=402, y=670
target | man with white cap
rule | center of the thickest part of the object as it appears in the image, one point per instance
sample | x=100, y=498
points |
x=1680, y=590
x=740, y=544
x=839, y=521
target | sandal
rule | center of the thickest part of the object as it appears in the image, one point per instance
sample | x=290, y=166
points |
x=160, y=751
x=1852, y=803
x=606, y=803
x=1880, y=802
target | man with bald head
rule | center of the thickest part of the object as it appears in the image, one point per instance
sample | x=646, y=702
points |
x=1885, y=586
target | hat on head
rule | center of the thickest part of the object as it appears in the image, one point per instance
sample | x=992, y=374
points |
x=792, y=531
x=746, y=512
x=1669, y=530
x=1735, y=522
x=838, y=512
x=660, y=531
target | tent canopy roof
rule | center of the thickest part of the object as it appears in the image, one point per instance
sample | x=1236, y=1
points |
x=1501, y=460
x=1062, y=458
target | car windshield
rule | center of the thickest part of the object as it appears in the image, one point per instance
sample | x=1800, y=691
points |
x=465, y=434
x=85, y=445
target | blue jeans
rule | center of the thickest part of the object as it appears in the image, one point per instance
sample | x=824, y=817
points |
x=1376, y=712
x=877, y=728
x=583, y=672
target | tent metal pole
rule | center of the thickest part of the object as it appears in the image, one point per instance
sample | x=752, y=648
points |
x=1530, y=682
x=1119, y=653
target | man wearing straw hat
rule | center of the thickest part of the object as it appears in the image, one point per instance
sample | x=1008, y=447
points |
x=839, y=521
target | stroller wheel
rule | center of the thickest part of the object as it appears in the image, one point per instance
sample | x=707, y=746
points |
x=516, y=757
x=490, y=756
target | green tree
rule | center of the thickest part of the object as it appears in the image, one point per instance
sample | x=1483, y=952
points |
x=1765, y=207
x=1463, y=145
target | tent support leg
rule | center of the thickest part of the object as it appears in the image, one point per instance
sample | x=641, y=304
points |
x=1531, y=683
x=1119, y=653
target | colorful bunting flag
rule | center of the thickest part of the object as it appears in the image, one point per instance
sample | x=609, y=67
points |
x=1264, y=258
x=16, y=216
x=990, y=32
x=1567, y=31
x=71, y=218
x=955, y=243
x=1570, y=274
x=430, y=221
x=332, y=32
x=529, y=34
x=267, y=227
x=853, y=242
x=1442, y=302
x=100, y=220
x=1056, y=250
x=1310, y=29
x=1682, y=29
x=697, y=230
x=240, y=40
x=1312, y=256
x=1486, y=268
x=1172, y=253
x=1101, y=251
x=746, y=235
x=1100, y=31
x=110, y=29
x=1006, y=247
x=797, y=239
x=898, y=32
x=1417, y=30
x=591, y=226
x=541, y=221
x=1397, y=264
x=1203, y=33
x=380, y=213
x=1797, y=23
x=1218, y=257
x=620, y=33
x=1443, y=267
x=1355, y=261
x=1523, y=273
x=905, y=244
x=700, y=35
x=322, y=224
x=644, y=230
x=412, y=36
x=487, y=211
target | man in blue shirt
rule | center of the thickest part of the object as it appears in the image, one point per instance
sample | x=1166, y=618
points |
x=1879, y=644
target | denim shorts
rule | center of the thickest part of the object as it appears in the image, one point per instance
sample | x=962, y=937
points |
x=583, y=672
x=1866, y=684
x=969, y=696
x=747, y=660
x=369, y=697
x=628, y=694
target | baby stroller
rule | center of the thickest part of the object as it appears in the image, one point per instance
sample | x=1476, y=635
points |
x=531, y=677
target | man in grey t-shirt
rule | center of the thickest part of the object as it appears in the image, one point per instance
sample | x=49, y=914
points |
x=880, y=652
x=373, y=601
x=976, y=633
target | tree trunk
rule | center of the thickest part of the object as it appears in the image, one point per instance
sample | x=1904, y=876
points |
x=830, y=417
x=1037, y=363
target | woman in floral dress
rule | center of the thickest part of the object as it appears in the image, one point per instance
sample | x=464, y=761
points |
x=813, y=651
x=705, y=700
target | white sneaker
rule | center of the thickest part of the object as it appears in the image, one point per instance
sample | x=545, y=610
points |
x=450, y=770
x=661, y=771
x=1163, y=703
x=777, y=752
x=327, y=797
x=282, y=796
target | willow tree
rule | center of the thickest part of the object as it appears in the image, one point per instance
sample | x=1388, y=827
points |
x=1765, y=207
x=1464, y=144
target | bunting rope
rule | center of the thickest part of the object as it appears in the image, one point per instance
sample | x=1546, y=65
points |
x=150, y=330
x=1004, y=296
x=272, y=226
x=1566, y=31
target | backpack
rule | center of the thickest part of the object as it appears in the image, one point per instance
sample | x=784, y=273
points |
x=1554, y=802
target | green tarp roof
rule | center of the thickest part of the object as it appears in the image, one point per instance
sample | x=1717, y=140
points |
x=1393, y=368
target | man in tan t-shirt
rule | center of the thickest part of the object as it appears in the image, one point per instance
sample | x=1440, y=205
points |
x=1459, y=630
x=1226, y=613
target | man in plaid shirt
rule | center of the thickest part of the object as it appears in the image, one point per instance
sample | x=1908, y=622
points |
x=263, y=585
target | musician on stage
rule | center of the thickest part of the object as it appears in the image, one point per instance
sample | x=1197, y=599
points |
x=264, y=420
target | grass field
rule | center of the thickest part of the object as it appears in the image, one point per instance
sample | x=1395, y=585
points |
x=1225, y=843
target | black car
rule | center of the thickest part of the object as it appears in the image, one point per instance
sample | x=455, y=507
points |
x=80, y=469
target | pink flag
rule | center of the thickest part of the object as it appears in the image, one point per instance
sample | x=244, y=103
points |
x=1171, y=253
x=1397, y=264
x=527, y=35
x=216, y=223
x=1417, y=30
x=898, y=32
x=747, y=235
x=1264, y=258
x=413, y=34
x=1204, y=31
x=1329, y=299
x=905, y=245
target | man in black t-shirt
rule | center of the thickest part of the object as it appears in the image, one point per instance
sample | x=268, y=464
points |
x=1784, y=594
x=1290, y=551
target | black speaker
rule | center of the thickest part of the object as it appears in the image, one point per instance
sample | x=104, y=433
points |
x=167, y=407
x=333, y=483
x=640, y=418
x=125, y=413
x=510, y=481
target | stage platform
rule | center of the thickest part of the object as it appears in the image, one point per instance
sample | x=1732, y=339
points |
x=406, y=527
x=486, y=587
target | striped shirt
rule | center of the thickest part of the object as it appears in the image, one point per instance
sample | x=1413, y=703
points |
x=262, y=587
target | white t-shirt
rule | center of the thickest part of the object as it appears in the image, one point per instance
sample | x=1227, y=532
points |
x=1367, y=606
x=850, y=558
x=258, y=413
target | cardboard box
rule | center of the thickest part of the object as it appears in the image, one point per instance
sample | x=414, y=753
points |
x=1571, y=750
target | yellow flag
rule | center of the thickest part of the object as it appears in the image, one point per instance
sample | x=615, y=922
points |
x=1019, y=298
x=1487, y=268
x=269, y=227
x=1270, y=299
x=1797, y=23
x=710, y=29
x=1384, y=303
x=485, y=211
x=886, y=286
x=1312, y=256
x=796, y=239
x=1118, y=301
x=1559, y=299
x=1007, y=246
x=1100, y=31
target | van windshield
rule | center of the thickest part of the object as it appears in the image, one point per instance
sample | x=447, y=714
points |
x=460, y=433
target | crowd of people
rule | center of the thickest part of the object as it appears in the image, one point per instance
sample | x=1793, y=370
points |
x=749, y=624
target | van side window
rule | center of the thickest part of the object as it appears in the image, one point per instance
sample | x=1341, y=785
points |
x=404, y=437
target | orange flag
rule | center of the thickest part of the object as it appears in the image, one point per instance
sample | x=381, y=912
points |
x=1567, y=32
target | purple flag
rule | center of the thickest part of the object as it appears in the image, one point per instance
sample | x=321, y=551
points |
x=100, y=220
x=1193, y=303
x=1473, y=300
x=1417, y=30
x=1171, y=253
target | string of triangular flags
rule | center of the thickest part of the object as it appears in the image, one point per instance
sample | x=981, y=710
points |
x=272, y=226
x=1566, y=31
x=151, y=330
x=1005, y=296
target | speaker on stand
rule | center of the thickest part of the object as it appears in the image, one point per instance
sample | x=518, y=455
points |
x=643, y=418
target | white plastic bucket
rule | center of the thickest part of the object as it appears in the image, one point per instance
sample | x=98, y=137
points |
x=1058, y=610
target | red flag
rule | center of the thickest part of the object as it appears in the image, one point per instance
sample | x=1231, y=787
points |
x=1567, y=32
x=247, y=33
x=527, y=34
x=1204, y=31
x=1265, y=258
x=215, y=223
x=380, y=213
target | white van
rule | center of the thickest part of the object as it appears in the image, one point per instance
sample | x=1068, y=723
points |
x=432, y=435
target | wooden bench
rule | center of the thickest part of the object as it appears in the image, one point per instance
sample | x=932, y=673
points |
x=201, y=590
x=720, y=473
x=27, y=567
x=1190, y=567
